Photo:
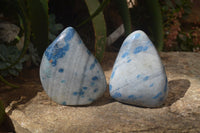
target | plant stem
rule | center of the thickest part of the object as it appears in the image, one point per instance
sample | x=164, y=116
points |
x=96, y=12
x=7, y=83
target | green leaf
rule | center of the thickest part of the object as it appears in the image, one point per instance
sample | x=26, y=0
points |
x=13, y=72
x=22, y=15
x=7, y=83
x=125, y=14
x=19, y=66
x=96, y=12
x=99, y=29
x=170, y=4
x=2, y=64
x=3, y=51
x=38, y=13
x=53, y=27
x=156, y=24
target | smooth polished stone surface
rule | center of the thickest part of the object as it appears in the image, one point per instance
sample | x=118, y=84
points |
x=69, y=73
x=138, y=76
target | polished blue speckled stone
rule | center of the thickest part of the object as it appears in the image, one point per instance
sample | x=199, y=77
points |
x=69, y=73
x=138, y=76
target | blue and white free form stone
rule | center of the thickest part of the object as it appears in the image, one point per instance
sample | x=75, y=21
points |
x=138, y=76
x=69, y=73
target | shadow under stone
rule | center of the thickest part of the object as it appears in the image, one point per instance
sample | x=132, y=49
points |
x=105, y=99
x=7, y=126
x=29, y=85
x=177, y=89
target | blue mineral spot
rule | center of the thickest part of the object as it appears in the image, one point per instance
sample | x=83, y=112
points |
x=125, y=54
x=90, y=99
x=132, y=97
x=61, y=70
x=93, y=64
x=113, y=73
x=146, y=78
x=129, y=61
x=110, y=87
x=125, y=43
x=94, y=78
x=149, y=43
x=136, y=36
x=95, y=90
x=156, y=96
x=117, y=89
x=81, y=93
x=70, y=34
x=165, y=88
x=145, y=48
x=63, y=81
x=151, y=85
x=79, y=41
x=92, y=83
x=117, y=95
x=64, y=103
x=138, y=49
x=140, y=96
x=53, y=53
x=138, y=76
x=75, y=93
x=161, y=99
x=84, y=88
x=95, y=61
x=89, y=53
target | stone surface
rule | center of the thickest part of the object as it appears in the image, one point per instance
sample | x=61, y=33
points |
x=31, y=110
x=138, y=76
x=69, y=73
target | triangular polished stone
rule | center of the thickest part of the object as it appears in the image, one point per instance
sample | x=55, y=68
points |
x=138, y=76
x=69, y=73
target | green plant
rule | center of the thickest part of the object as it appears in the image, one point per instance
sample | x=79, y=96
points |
x=155, y=27
x=32, y=18
x=146, y=15
x=8, y=55
x=54, y=28
x=125, y=15
x=189, y=41
x=38, y=18
x=99, y=28
x=155, y=22
x=174, y=11
x=21, y=15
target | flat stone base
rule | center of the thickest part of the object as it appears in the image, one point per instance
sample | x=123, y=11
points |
x=31, y=111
